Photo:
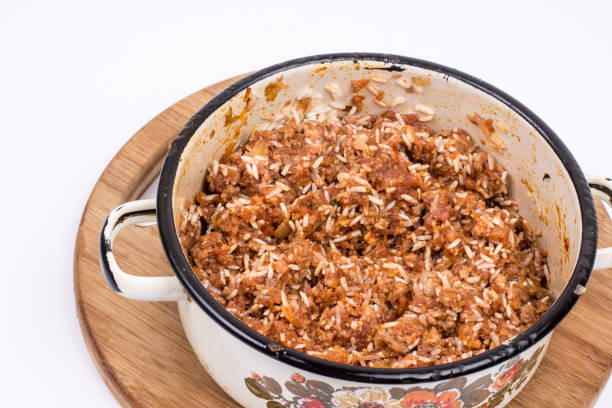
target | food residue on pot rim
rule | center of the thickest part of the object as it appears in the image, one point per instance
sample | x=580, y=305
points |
x=488, y=130
x=273, y=88
x=421, y=80
x=230, y=117
x=526, y=184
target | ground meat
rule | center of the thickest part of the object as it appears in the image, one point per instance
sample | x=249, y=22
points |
x=357, y=101
x=367, y=240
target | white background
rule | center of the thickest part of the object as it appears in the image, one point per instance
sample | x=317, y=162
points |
x=77, y=79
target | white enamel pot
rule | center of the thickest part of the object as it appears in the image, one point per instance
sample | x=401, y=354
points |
x=552, y=192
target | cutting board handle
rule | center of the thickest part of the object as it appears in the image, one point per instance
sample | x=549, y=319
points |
x=158, y=288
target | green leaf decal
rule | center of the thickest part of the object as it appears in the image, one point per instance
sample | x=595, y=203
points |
x=297, y=389
x=397, y=393
x=456, y=383
x=320, y=388
x=257, y=389
x=477, y=391
x=271, y=385
x=497, y=399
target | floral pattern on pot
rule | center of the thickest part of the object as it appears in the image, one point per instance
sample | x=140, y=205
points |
x=504, y=378
x=422, y=398
x=364, y=398
x=512, y=377
x=487, y=391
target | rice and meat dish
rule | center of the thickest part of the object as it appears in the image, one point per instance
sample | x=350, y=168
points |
x=367, y=240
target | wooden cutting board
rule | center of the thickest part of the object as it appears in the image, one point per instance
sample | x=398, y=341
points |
x=143, y=355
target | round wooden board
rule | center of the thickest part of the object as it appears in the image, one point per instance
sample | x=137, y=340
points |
x=145, y=359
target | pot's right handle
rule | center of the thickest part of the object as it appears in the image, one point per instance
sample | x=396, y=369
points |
x=155, y=288
x=602, y=187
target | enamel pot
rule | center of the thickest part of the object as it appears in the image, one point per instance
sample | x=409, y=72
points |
x=552, y=192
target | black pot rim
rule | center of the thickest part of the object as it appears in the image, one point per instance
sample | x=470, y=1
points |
x=302, y=361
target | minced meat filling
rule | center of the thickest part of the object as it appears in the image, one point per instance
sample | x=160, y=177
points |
x=367, y=240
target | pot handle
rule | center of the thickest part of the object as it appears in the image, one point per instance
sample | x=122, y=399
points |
x=158, y=288
x=602, y=187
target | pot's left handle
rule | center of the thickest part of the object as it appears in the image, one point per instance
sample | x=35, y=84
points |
x=158, y=288
x=602, y=187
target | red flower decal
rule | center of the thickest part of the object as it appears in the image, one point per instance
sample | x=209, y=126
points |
x=298, y=378
x=309, y=402
x=504, y=378
x=256, y=377
x=429, y=399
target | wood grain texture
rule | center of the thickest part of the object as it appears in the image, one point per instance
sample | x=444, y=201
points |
x=145, y=359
